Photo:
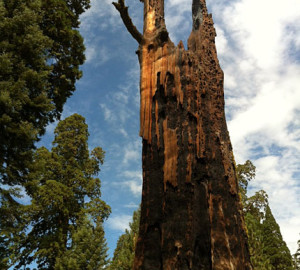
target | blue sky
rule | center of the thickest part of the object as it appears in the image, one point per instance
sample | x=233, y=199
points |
x=258, y=43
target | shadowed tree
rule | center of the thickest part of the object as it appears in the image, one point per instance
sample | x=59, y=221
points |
x=41, y=50
x=191, y=214
x=65, y=216
x=88, y=250
x=124, y=252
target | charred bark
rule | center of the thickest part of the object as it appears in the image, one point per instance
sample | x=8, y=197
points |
x=191, y=213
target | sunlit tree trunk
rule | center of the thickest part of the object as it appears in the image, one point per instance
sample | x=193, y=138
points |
x=191, y=213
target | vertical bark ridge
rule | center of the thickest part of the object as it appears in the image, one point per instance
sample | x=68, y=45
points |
x=191, y=214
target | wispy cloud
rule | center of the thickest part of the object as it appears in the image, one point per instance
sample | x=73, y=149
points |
x=109, y=115
x=97, y=54
x=120, y=109
x=133, y=181
x=176, y=14
x=134, y=186
x=132, y=205
x=263, y=98
x=120, y=222
x=132, y=153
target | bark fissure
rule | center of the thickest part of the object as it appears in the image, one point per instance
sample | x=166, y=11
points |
x=191, y=214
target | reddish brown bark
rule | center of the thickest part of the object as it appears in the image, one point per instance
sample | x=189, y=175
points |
x=191, y=214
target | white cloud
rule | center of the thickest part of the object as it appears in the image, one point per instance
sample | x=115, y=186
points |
x=108, y=114
x=275, y=175
x=123, y=132
x=132, y=153
x=98, y=11
x=262, y=78
x=133, y=181
x=176, y=13
x=96, y=54
x=132, y=205
x=221, y=41
x=95, y=22
x=134, y=186
x=133, y=174
x=119, y=223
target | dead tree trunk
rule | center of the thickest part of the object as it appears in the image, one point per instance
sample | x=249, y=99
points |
x=191, y=214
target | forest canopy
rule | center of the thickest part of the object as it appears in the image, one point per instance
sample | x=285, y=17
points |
x=41, y=51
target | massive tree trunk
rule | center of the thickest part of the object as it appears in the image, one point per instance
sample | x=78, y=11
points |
x=191, y=213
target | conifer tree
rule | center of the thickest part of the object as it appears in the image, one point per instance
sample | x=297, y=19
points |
x=66, y=202
x=275, y=248
x=267, y=248
x=41, y=51
x=258, y=259
x=296, y=257
x=245, y=173
x=12, y=226
x=124, y=252
x=254, y=215
x=88, y=249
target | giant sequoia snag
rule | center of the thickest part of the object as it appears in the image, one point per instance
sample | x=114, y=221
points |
x=191, y=214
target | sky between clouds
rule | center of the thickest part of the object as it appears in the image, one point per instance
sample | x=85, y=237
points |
x=258, y=44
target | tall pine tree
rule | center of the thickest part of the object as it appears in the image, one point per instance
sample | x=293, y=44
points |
x=275, y=248
x=124, y=252
x=267, y=247
x=66, y=204
x=254, y=211
x=41, y=51
x=88, y=249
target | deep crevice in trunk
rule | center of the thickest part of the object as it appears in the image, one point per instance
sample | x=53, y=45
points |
x=191, y=214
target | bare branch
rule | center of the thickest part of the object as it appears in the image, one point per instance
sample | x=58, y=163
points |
x=123, y=10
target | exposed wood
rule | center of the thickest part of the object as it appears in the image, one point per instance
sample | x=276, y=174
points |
x=191, y=214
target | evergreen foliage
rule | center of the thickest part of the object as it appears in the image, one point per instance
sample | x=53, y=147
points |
x=245, y=173
x=11, y=226
x=66, y=212
x=256, y=246
x=267, y=247
x=40, y=54
x=296, y=257
x=124, y=253
x=275, y=248
x=88, y=249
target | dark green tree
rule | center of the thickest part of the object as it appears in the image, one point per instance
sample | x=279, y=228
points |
x=88, y=249
x=12, y=226
x=275, y=248
x=40, y=54
x=66, y=201
x=41, y=50
x=254, y=215
x=124, y=252
x=267, y=248
x=296, y=257
x=258, y=259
